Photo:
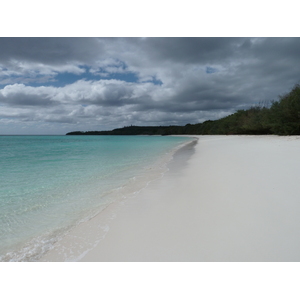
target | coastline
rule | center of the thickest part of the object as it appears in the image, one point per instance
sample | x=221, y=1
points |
x=234, y=199
x=80, y=239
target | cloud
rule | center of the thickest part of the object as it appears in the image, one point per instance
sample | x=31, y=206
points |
x=21, y=95
x=117, y=81
x=50, y=51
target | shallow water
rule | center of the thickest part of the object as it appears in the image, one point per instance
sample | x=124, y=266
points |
x=50, y=183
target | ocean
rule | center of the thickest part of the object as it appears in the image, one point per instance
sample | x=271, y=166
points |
x=49, y=184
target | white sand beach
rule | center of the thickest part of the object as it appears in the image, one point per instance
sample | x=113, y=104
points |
x=236, y=198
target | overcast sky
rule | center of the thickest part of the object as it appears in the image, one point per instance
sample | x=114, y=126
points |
x=57, y=85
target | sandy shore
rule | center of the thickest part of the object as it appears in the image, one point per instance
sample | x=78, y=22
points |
x=230, y=198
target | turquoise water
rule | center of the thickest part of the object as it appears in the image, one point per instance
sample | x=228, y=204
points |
x=50, y=183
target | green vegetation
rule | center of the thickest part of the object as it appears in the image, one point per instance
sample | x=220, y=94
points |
x=281, y=118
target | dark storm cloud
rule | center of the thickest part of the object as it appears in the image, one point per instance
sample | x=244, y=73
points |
x=200, y=78
x=191, y=50
x=277, y=48
x=49, y=50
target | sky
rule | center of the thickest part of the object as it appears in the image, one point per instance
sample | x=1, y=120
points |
x=56, y=85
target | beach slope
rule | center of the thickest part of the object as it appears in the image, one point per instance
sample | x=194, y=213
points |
x=235, y=199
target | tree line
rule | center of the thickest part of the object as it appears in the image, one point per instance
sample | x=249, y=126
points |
x=281, y=118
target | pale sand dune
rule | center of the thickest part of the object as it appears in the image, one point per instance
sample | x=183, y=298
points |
x=236, y=199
